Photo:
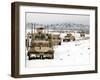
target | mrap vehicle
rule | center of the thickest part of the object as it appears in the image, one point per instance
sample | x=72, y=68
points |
x=69, y=37
x=41, y=45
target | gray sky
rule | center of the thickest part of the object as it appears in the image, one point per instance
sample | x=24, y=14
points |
x=47, y=18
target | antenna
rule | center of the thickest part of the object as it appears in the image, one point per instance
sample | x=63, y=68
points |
x=31, y=28
x=34, y=27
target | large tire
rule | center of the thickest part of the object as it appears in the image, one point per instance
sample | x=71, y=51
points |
x=29, y=57
x=52, y=57
x=73, y=39
x=63, y=40
x=59, y=43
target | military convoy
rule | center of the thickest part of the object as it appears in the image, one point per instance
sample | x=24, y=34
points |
x=40, y=44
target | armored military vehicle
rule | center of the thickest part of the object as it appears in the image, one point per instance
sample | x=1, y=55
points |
x=69, y=37
x=41, y=45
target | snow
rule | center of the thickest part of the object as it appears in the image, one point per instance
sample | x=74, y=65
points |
x=74, y=53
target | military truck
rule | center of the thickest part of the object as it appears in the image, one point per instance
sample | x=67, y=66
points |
x=69, y=37
x=41, y=46
x=56, y=40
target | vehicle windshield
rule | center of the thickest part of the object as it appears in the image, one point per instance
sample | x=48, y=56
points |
x=41, y=37
x=68, y=35
x=56, y=37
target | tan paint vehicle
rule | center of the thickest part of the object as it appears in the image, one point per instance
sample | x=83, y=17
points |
x=69, y=37
x=56, y=40
x=41, y=46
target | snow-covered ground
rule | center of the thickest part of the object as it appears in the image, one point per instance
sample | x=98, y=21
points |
x=74, y=53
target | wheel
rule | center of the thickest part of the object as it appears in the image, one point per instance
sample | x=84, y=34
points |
x=29, y=57
x=52, y=57
x=59, y=43
x=63, y=40
x=74, y=39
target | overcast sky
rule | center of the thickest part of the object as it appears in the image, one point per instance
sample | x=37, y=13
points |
x=46, y=18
